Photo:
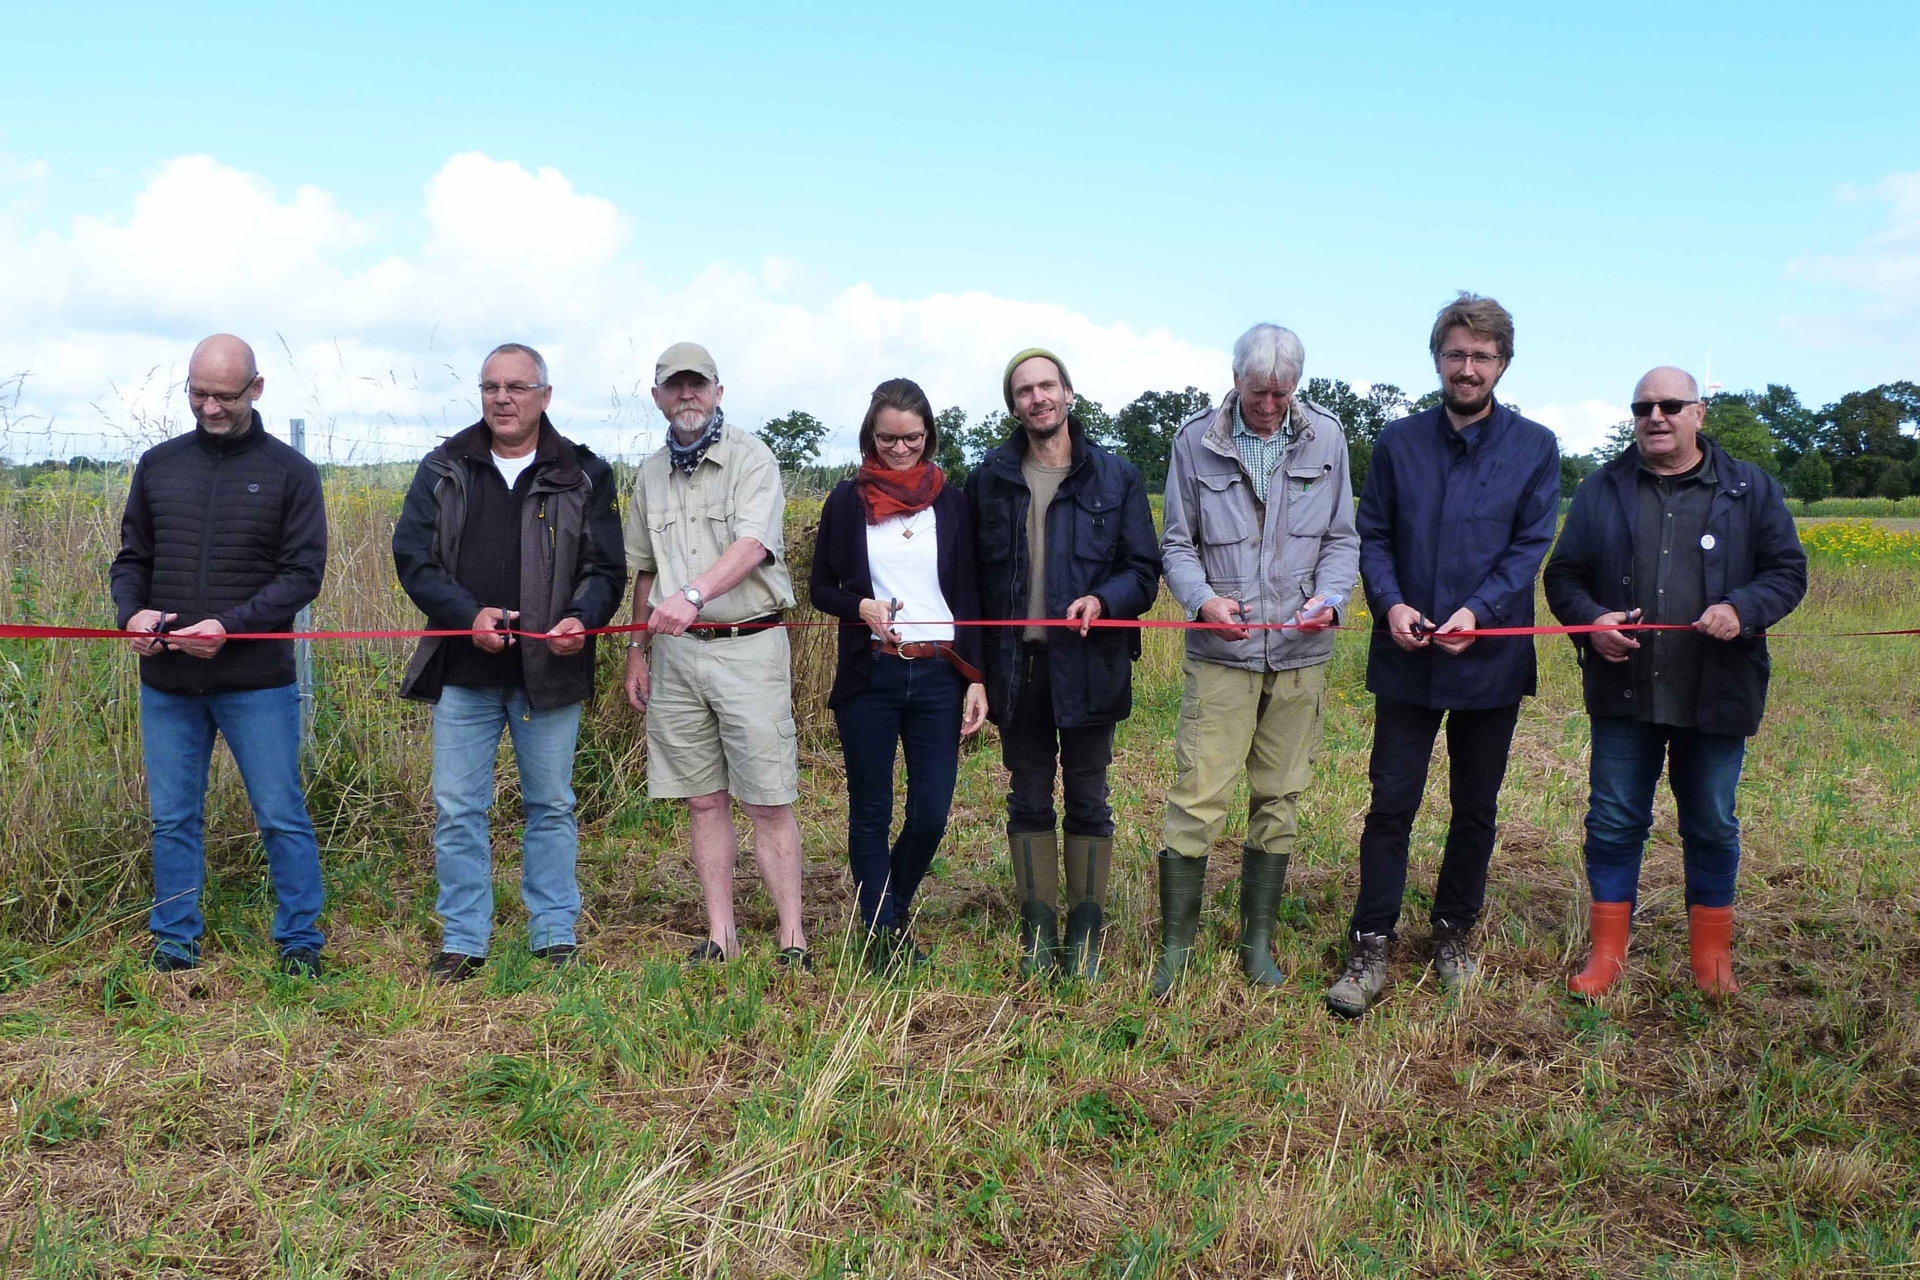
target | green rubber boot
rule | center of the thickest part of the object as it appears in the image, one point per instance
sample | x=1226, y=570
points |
x=1036, y=878
x=1263, y=879
x=1089, y=861
x=1182, y=881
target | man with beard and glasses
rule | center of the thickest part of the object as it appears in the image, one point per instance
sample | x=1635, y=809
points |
x=1674, y=530
x=1455, y=517
x=1064, y=530
x=710, y=582
x=225, y=532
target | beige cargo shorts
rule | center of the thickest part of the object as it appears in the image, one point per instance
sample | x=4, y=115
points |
x=720, y=718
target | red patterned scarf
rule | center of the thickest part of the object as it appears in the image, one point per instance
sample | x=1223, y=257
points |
x=898, y=493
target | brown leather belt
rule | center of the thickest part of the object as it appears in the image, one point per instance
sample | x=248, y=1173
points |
x=733, y=630
x=913, y=649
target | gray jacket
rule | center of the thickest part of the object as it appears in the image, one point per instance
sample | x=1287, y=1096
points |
x=1218, y=540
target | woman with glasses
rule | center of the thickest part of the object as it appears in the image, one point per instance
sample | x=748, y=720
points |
x=894, y=562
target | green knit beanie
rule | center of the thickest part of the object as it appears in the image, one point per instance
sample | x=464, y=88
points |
x=1006, y=380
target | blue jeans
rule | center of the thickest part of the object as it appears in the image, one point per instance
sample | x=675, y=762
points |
x=262, y=729
x=466, y=737
x=1703, y=771
x=916, y=704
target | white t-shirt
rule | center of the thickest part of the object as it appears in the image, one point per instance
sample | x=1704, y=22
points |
x=510, y=468
x=908, y=570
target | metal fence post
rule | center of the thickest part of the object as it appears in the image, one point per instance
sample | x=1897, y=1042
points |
x=303, y=649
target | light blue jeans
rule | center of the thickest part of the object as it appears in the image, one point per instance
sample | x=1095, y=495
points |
x=262, y=729
x=466, y=738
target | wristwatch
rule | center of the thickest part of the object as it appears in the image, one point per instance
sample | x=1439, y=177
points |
x=694, y=597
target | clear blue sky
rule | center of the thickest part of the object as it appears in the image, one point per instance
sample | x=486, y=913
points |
x=1635, y=182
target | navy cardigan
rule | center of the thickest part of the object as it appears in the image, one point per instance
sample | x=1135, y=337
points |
x=841, y=579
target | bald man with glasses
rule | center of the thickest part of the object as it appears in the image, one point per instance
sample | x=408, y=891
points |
x=1675, y=531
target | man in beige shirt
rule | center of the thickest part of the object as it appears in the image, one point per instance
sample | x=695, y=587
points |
x=710, y=582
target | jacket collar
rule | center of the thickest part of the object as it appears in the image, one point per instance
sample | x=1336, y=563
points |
x=1009, y=456
x=1219, y=433
x=228, y=445
x=556, y=462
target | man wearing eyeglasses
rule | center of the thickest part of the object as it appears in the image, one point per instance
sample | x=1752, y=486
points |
x=508, y=527
x=712, y=672
x=1673, y=532
x=1456, y=514
x=225, y=532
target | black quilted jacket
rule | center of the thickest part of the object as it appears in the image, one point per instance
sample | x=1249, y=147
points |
x=232, y=528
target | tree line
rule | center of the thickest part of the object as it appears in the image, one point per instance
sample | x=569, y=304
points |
x=1863, y=445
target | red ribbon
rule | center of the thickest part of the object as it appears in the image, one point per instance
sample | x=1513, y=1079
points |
x=22, y=631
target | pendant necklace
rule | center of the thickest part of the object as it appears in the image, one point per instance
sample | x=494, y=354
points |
x=907, y=530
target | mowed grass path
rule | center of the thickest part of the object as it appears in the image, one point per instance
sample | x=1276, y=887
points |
x=631, y=1119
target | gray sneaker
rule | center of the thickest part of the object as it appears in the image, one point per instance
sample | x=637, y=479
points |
x=1365, y=978
x=1452, y=963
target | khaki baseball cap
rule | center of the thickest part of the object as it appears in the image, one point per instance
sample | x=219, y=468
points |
x=684, y=357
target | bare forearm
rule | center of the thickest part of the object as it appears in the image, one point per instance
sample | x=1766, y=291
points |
x=642, y=588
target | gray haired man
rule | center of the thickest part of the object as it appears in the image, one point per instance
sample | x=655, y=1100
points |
x=1259, y=529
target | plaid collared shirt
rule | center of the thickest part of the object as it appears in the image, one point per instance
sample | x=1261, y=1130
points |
x=1259, y=456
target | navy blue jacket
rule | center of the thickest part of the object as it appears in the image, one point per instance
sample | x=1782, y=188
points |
x=1100, y=542
x=841, y=578
x=1450, y=520
x=1755, y=564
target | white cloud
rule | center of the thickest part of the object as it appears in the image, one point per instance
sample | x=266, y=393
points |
x=1884, y=265
x=379, y=351
x=1582, y=426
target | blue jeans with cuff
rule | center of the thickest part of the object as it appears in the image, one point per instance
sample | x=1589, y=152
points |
x=1703, y=771
x=467, y=722
x=262, y=730
x=915, y=704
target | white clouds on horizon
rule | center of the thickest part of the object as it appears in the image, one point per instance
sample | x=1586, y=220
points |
x=382, y=351
x=1884, y=265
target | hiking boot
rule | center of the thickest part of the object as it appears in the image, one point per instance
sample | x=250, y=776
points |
x=1263, y=880
x=451, y=967
x=164, y=960
x=1182, y=881
x=1365, y=977
x=1089, y=861
x=1036, y=881
x=1453, y=964
x=299, y=962
x=561, y=955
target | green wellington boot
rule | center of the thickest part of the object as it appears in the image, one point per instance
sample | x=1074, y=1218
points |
x=1089, y=861
x=1182, y=881
x=1263, y=879
x=1036, y=878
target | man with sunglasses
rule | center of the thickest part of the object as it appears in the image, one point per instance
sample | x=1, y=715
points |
x=508, y=527
x=225, y=532
x=1674, y=532
x=1456, y=514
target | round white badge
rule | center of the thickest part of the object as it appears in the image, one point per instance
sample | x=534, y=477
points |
x=1706, y=542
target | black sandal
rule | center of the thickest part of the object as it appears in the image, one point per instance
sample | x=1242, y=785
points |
x=708, y=952
x=792, y=957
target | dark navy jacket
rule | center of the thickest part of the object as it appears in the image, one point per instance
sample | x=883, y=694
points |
x=841, y=578
x=1450, y=520
x=1100, y=542
x=227, y=527
x=1755, y=564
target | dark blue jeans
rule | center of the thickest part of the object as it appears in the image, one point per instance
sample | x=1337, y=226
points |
x=262, y=729
x=913, y=704
x=1703, y=771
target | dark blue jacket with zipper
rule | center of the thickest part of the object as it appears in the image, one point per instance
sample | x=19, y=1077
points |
x=226, y=527
x=1756, y=564
x=1100, y=542
x=1450, y=521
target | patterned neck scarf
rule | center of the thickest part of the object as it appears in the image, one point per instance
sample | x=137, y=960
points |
x=686, y=457
x=898, y=493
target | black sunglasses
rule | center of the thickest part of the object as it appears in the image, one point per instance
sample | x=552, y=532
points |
x=1644, y=408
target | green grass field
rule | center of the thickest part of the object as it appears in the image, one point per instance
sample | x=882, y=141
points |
x=631, y=1119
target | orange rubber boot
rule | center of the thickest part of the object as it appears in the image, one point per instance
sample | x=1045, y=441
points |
x=1710, y=946
x=1608, y=922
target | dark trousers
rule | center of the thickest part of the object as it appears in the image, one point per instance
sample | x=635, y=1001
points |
x=914, y=704
x=1703, y=770
x=1477, y=746
x=1032, y=745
